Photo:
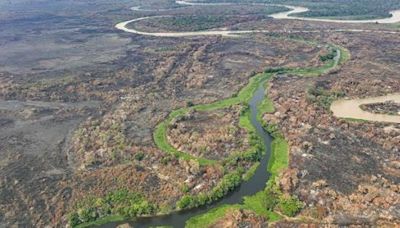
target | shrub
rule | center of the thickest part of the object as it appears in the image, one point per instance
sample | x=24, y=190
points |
x=185, y=202
x=189, y=104
x=252, y=156
x=270, y=202
x=185, y=188
x=73, y=219
x=323, y=97
x=165, y=160
x=227, y=184
x=139, y=156
x=273, y=129
x=120, y=202
x=276, y=70
x=271, y=199
x=330, y=56
x=290, y=206
x=87, y=214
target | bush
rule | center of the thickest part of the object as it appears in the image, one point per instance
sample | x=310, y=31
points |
x=323, y=97
x=252, y=156
x=73, y=219
x=227, y=184
x=276, y=70
x=139, y=156
x=271, y=199
x=329, y=56
x=120, y=202
x=189, y=104
x=165, y=160
x=87, y=214
x=185, y=202
x=290, y=206
x=273, y=129
x=185, y=188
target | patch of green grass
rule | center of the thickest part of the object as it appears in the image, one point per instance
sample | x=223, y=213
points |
x=266, y=106
x=243, y=96
x=253, y=203
x=209, y=218
x=104, y=220
x=116, y=204
x=395, y=26
x=344, y=54
x=244, y=120
x=251, y=171
x=264, y=202
x=279, y=159
x=289, y=206
x=256, y=203
x=356, y=120
x=314, y=71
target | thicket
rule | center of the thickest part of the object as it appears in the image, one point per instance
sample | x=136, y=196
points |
x=121, y=202
x=323, y=97
x=274, y=199
x=229, y=182
x=330, y=56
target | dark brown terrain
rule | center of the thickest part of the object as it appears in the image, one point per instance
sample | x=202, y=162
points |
x=346, y=171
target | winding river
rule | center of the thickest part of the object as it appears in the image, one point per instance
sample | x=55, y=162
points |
x=255, y=184
x=351, y=109
x=395, y=18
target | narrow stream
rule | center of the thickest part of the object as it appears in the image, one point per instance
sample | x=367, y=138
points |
x=254, y=185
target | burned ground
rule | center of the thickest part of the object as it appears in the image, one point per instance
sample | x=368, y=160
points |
x=350, y=164
x=77, y=113
x=129, y=96
x=214, y=135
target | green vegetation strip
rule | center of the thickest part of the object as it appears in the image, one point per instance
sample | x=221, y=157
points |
x=209, y=218
x=251, y=171
x=116, y=205
x=244, y=96
x=279, y=157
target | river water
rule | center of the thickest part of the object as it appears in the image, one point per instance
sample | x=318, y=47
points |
x=351, y=109
x=255, y=184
